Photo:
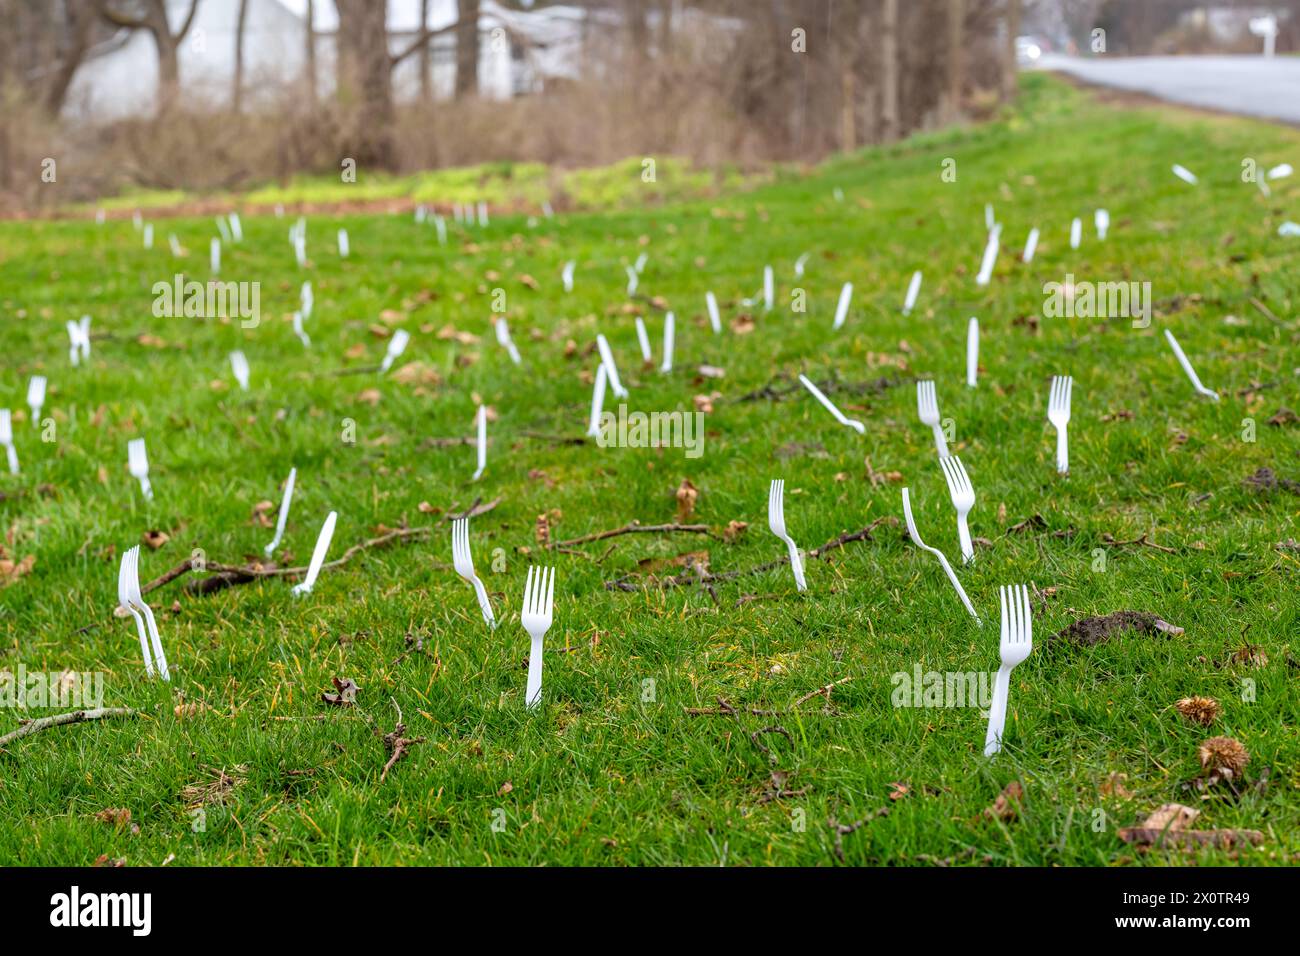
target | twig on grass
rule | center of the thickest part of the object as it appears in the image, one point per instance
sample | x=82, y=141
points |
x=690, y=576
x=396, y=744
x=636, y=527
x=58, y=720
x=1141, y=539
x=841, y=830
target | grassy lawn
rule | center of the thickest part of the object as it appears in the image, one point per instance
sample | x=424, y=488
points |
x=614, y=768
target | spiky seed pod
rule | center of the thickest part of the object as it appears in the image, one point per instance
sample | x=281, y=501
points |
x=1200, y=710
x=1224, y=755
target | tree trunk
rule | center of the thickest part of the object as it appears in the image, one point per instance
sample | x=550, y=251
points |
x=889, y=71
x=426, y=90
x=364, y=87
x=79, y=17
x=848, y=109
x=237, y=96
x=169, y=73
x=311, y=51
x=467, y=49
x=956, y=56
x=1010, y=76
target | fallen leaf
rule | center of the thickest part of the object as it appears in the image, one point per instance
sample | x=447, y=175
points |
x=347, y=692
x=687, y=495
x=155, y=539
x=1007, y=805
x=371, y=396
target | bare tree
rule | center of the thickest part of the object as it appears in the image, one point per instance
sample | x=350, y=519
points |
x=956, y=56
x=237, y=95
x=426, y=90
x=1010, y=65
x=151, y=15
x=889, y=129
x=364, y=84
x=310, y=59
x=467, y=48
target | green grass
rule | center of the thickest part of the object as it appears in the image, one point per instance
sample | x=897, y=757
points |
x=517, y=187
x=600, y=774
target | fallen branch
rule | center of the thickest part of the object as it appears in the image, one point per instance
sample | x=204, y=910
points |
x=691, y=576
x=841, y=830
x=635, y=527
x=1141, y=539
x=58, y=720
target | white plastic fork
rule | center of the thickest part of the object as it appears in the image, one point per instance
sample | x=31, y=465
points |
x=962, y=493
x=344, y=246
x=597, y=400
x=611, y=370
x=776, y=522
x=7, y=439
x=36, y=398
x=236, y=228
x=1187, y=367
x=539, y=606
x=124, y=600
x=670, y=325
x=640, y=263
x=318, y=554
x=913, y=290
x=503, y=338
x=631, y=281
x=464, y=564
x=840, y=417
x=947, y=568
x=1017, y=641
x=214, y=256
x=1185, y=174
x=482, y=442
x=972, y=351
x=1076, y=232
x=136, y=598
x=1031, y=245
x=927, y=408
x=842, y=307
x=137, y=462
x=643, y=339
x=307, y=300
x=769, y=294
x=284, y=512
x=239, y=365
x=396, y=346
x=1101, y=219
x=299, y=331
x=78, y=340
x=989, y=259
x=566, y=275
x=1058, y=413
x=715, y=320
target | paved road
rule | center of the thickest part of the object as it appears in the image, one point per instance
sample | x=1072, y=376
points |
x=1249, y=85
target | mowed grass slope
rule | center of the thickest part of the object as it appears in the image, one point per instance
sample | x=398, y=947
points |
x=613, y=769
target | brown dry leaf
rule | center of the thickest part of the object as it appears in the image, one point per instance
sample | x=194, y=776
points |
x=1007, y=805
x=697, y=559
x=347, y=692
x=155, y=539
x=505, y=788
x=355, y=351
x=262, y=514
x=1113, y=786
x=392, y=317
x=102, y=475
x=1171, y=816
x=371, y=396
x=703, y=403
x=742, y=324
x=898, y=790
x=119, y=817
x=11, y=571
x=151, y=341
x=841, y=476
x=543, y=530
x=416, y=373
x=734, y=529
x=426, y=508
x=687, y=495
x=526, y=279
x=712, y=371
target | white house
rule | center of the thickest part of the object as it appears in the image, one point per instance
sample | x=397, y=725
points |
x=519, y=51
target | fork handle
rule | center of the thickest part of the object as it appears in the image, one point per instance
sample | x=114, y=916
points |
x=997, y=712
x=146, y=488
x=796, y=564
x=940, y=443
x=1062, y=450
x=533, y=697
x=963, y=535
x=484, y=604
x=144, y=642
x=158, y=656
x=13, y=459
